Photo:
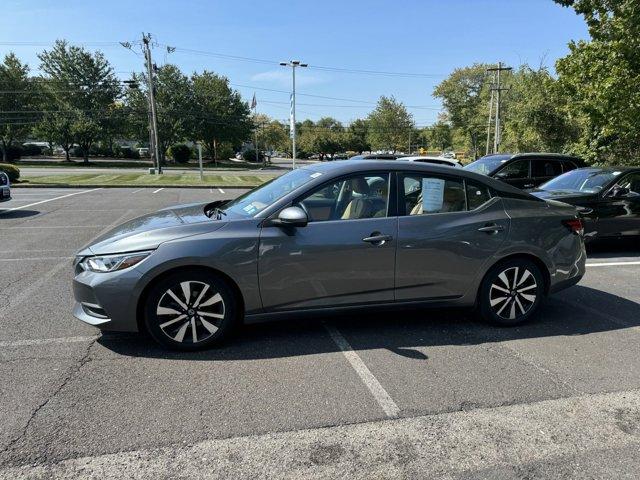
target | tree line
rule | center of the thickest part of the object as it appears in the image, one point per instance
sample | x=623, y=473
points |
x=590, y=105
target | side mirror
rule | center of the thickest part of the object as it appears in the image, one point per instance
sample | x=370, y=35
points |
x=291, y=217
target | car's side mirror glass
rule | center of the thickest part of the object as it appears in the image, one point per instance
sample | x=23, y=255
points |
x=291, y=217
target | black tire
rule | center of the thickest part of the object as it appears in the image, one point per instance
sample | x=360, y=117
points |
x=499, y=303
x=178, y=322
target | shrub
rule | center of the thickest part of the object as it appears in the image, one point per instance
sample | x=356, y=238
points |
x=31, y=150
x=180, y=152
x=128, y=152
x=249, y=155
x=11, y=170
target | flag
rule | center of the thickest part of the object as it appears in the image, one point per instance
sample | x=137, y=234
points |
x=254, y=103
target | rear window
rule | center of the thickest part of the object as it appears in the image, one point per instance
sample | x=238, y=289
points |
x=477, y=195
x=545, y=168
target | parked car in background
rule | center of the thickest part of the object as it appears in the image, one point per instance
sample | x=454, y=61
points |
x=366, y=234
x=608, y=199
x=5, y=187
x=525, y=170
x=444, y=161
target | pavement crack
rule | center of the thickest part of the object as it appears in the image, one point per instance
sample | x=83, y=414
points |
x=69, y=376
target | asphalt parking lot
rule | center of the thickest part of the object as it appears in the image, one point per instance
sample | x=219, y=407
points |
x=414, y=394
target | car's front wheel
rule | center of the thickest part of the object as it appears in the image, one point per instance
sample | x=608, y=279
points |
x=511, y=292
x=190, y=310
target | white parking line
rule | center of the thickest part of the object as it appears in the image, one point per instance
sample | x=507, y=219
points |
x=156, y=191
x=48, y=200
x=221, y=190
x=34, y=227
x=370, y=381
x=45, y=341
x=33, y=258
x=611, y=264
x=136, y=191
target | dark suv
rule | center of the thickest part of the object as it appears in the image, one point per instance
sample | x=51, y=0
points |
x=525, y=170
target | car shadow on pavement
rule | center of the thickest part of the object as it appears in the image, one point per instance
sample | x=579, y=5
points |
x=5, y=214
x=612, y=248
x=577, y=311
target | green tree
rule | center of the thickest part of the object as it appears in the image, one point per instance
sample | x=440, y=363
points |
x=356, y=136
x=175, y=110
x=390, y=125
x=220, y=114
x=440, y=135
x=465, y=97
x=57, y=129
x=16, y=107
x=601, y=78
x=79, y=85
x=535, y=114
x=272, y=135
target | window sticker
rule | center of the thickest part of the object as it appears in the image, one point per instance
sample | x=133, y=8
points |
x=432, y=194
x=250, y=208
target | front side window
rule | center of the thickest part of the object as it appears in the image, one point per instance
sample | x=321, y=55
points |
x=517, y=169
x=351, y=198
x=424, y=194
x=631, y=182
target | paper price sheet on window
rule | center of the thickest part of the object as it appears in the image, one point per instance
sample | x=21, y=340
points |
x=432, y=194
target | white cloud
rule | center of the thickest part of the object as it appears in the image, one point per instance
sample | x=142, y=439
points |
x=283, y=77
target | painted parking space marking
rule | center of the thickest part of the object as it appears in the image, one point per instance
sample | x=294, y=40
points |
x=220, y=190
x=48, y=200
x=158, y=190
x=45, y=341
x=612, y=264
x=138, y=190
x=26, y=259
x=370, y=381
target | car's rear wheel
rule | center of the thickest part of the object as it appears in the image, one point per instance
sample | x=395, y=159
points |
x=190, y=310
x=511, y=292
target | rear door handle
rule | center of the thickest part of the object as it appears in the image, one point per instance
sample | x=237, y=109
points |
x=529, y=185
x=493, y=228
x=377, y=239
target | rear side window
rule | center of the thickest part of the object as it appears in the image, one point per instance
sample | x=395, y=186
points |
x=568, y=165
x=426, y=194
x=477, y=195
x=545, y=168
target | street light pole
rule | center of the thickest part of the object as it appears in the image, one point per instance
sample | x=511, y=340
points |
x=293, y=64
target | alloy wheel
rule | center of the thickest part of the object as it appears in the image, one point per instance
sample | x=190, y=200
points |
x=190, y=312
x=513, y=293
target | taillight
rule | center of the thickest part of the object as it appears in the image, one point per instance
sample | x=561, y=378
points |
x=574, y=225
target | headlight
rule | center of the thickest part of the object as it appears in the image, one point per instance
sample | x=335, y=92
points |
x=111, y=263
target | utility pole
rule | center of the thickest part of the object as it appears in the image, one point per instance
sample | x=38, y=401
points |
x=489, y=121
x=153, y=124
x=498, y=89
x=293, y=64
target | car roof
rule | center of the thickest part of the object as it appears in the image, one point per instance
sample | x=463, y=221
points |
x=608, y=168
x=429, y=157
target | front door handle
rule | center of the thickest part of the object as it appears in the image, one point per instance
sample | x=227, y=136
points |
x=377, y=238
x=493, y=228
x=528, y=185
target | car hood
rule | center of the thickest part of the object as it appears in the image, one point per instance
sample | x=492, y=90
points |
x=562, y=195
x=149, y=231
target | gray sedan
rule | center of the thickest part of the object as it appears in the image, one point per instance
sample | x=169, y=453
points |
x=326, y=238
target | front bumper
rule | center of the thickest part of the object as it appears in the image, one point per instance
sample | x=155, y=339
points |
x=108, y=301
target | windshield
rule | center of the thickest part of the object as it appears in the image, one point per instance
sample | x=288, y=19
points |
x=256, y=200
x=584, y=181
x=486, y=165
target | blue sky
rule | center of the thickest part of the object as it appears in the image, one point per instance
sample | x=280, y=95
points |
x=430, y=37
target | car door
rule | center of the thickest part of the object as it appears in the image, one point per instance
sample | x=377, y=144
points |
x=448, y=228
x=345, y=255
x=543, y=170
x=516, y=173
x=618, y=210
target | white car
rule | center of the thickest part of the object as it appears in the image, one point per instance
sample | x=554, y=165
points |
x=447, y=162
x=5, y=187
